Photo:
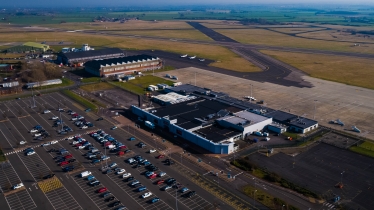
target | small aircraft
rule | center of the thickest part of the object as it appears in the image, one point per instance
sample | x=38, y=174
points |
x=184, y=56
x=250, y=98
x=355, y=129
x=338, y=121
x=192, y=57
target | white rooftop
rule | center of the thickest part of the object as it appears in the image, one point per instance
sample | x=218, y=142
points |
x=172, y=97
x=244, y=118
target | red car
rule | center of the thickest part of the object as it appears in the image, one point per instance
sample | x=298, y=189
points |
x=74, y=115
x=153, y=176
x=160, y=182
x=64, y=163
x=101, y=190
x=123, y=147
x=77, y=145
x=107, y=143
x=68, y=156
x=160, y=156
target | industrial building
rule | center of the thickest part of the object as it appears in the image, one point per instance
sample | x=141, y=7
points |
x=9, y=84
x=71, y=58
x=43, y=83
x=122, y=65
x=28, y=47
x=214, y=121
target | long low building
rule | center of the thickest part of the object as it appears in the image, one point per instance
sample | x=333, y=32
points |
x=84, y=56
x=122, y=65
x=214, y=121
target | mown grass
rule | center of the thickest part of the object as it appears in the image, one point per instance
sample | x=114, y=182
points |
x=223, y=57
x=271, y=38
x=265, y=198
x=97, y=87
x=366, y=148
x=346, y=70
x=177, y=34
x=79, y=99
x=91, y=79
x=139, y=85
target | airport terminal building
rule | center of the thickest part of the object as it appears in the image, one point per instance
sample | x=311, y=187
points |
x=214, y=121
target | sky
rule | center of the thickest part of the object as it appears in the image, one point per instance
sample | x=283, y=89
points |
x=121, y=3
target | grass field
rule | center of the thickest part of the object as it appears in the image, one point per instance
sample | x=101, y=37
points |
x=97, y=86
x=366, y=148
x=179, y=34
x=224, y=58
x=337, y=35
x=130, y=25
x=91, y=79
x=347, y=70
x=266, y=37
x=295, y=30
x=79, y=99
x=265, y=198
x=139, y=85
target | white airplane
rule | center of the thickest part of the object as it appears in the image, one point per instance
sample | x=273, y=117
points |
x=201, y=59
x=355, y=129
x=192, y=57
x=250, y=98
x=184, y=56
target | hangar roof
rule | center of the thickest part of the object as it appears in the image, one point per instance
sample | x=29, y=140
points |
x=291, y=119
x=216, y=133
x=92, y=53
x=119, y=61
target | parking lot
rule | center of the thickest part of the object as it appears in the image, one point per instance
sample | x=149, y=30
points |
x=8, y=177
x=20, y=200
x=64, y=190
x=321, y=168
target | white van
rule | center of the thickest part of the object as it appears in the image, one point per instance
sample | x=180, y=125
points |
x=86, y=173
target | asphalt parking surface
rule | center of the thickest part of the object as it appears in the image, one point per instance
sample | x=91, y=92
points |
x=64, y=190
x=319, y=169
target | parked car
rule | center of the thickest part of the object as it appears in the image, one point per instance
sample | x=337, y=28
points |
x=160, y=182
x=190, y=194
x=64, y=163
x=101, y=190
x=146, y=195
x=113, y=128
x=126, y=175
x=46, y=111
x=184, y=189
x=17, y=186
x=160, y=156
x=141, y=189
x=121, y=171
x=155, y=200
x=115, y=203
x=109, y=199
x=152, y=150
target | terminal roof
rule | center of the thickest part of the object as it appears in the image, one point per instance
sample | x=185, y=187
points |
x=216, y=133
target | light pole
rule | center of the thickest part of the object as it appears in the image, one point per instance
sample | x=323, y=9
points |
x=283, y=206
x=176, y=200
x=341, y=177
x=254, y=198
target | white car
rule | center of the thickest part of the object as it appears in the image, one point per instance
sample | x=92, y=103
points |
x=54, y=142
x=152, y=151
x=121, y=171
x=47, y=111
x=74, y=119
x=126, y=175
x=71, y=113
x=81, y=147
x=22, y=142
x=113, y=165
x=146, y=195
x=84, y=127
x=37, y=134
x=54, y=118
x=17, y=186
x=161, y=174
x=33, y=131
x=30, y=153
x=70, y=137
x=46, y=144
x=105, y=158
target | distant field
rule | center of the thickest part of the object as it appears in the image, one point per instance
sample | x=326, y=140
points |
x=180, y=34
x=266, y=37
x=130, y=25
x=337, y=35
x=347, y=70
x=295, y=30
x=224, y=58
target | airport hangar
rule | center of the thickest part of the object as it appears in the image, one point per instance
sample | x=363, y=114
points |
x=214, y=120
x=122, y=65
x=71, y=58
